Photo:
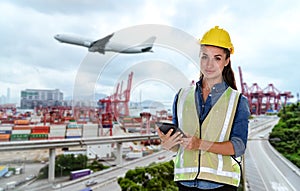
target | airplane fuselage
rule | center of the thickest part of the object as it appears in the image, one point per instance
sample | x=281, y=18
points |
x=73, y=40
x=104, y=44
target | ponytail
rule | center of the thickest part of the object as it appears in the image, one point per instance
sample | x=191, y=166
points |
x=227, y=73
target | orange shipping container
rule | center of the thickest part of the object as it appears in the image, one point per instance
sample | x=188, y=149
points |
x=4, y=136
x=21, y=122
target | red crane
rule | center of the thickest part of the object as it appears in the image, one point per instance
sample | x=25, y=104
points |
x=115, y=105
x=256, y=95
x=121, y=99
x=271, y=96
x=262, y=100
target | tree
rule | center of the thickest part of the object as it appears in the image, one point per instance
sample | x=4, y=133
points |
x=70, y=163
x=155, y=177
x=285, y=136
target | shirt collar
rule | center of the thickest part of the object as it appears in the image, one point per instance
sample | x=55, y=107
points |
x=217, y=88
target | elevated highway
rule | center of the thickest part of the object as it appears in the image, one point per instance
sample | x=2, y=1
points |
x=62, y=143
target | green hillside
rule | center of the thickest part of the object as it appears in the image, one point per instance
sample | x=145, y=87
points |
x=285, y=136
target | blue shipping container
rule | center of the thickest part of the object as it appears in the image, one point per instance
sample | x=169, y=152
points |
x=5, y=132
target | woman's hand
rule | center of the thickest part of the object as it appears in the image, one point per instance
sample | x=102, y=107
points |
x=191, y=143
x=168, y=141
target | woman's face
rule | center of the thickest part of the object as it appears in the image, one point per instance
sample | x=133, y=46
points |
x=212, y=62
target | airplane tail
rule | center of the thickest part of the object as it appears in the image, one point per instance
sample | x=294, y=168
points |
x=150, y=40
x=148, y=44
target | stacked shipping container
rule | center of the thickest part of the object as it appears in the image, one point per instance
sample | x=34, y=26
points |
x=57, y=132
x=74, y=130
x=5, y=133
x=90, y=130
x=39, y=133
x=22, y=130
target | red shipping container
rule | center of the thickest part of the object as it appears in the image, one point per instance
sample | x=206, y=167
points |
x=38, y=131
x=41, y=127
x=21, y=127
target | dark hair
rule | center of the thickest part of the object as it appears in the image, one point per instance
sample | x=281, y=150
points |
x=227, y=73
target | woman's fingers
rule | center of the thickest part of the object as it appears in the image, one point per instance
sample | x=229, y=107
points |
x=171, y=141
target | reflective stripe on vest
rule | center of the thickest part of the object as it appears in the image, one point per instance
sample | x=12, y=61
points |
x=215, y=128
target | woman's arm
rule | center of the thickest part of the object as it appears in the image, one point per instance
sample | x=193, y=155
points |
x=194, y=143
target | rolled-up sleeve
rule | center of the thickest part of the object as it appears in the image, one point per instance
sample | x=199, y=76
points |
x=239, y=132
x=174, y=108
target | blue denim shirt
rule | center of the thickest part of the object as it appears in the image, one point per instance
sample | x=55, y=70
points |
x=239, y=131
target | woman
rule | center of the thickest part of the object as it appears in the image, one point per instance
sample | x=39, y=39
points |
x=215, y=118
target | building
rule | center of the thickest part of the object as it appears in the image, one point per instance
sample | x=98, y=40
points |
x=31, y=98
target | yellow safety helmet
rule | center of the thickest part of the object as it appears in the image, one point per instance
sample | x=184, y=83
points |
x=217, y=37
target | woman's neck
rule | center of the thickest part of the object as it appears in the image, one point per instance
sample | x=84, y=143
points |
x=209, y=83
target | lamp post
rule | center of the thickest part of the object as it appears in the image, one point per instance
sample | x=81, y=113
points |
x=61, y=169
x=24, y=163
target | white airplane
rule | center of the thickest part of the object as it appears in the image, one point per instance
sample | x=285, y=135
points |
x=104, y=44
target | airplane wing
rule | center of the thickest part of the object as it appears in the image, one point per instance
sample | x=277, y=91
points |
x=99, y=45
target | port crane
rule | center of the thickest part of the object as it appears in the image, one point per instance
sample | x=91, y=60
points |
x=263, y=100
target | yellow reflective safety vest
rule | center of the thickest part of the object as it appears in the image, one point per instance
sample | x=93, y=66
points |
x=194, y=164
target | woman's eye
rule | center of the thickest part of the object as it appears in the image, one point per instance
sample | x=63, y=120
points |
x=204, y=57
x=217, y=58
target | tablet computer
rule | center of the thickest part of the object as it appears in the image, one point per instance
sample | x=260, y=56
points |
x=165, y=127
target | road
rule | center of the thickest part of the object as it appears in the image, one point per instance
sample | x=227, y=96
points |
x=113, y=185
x=107, y=179
x=29, y=169
x=266, y=169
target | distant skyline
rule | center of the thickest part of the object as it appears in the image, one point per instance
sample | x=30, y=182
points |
x=5, y=98
x=265, y=36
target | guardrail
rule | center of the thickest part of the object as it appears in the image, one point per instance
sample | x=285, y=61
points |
x=60, y=143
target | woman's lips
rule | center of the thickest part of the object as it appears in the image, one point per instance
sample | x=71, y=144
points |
x=209, y=71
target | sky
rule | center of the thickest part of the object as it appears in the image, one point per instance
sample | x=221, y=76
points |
x=265, y=35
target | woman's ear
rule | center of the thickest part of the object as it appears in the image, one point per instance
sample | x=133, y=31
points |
x=227, y=62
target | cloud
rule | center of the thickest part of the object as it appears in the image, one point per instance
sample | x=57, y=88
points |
x=264, y=34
